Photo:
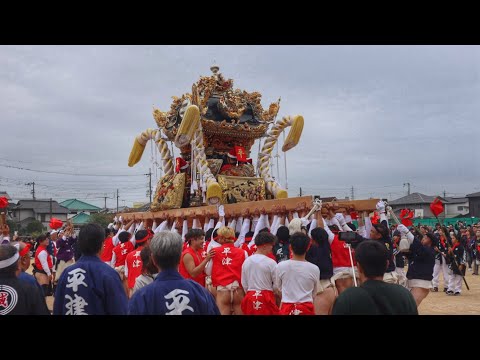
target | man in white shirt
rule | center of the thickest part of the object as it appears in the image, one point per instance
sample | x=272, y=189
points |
x=297, y=279
x=258, y=276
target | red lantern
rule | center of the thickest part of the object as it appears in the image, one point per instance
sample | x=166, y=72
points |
x=240, y=153
x=3, y=202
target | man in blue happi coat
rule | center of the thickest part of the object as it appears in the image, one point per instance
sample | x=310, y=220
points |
x=170, y=293
x=90, y=287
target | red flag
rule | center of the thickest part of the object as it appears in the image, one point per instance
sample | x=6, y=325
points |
x=406, y=215
x=3, y=202
x=407, y=222
x=55, y=223
x=436, y=206
x=241, y=154
x=25, y=250
x=354, y=215
x=375, y=218
x=410, y=214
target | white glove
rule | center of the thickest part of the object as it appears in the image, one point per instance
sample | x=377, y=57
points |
x=334, y=221
x=341, y=219
x=221, y=211
x=115, y=219
x=110, y=226
x=402, y=228
x=381, y=206
x=120, y=219
x=317, y=203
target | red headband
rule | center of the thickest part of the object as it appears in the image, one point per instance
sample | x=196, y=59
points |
x=25, y=250
x=143, y=240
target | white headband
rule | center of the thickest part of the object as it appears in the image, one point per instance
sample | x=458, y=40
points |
x=8, y=262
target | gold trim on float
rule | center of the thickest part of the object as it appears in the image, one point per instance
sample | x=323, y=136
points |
x=230, y=183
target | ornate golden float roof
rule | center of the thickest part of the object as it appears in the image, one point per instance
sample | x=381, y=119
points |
x=224, y=110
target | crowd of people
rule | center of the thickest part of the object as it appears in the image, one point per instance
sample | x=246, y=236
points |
x=249, y=263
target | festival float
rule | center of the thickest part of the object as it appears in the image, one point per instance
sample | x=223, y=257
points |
x=215, y=127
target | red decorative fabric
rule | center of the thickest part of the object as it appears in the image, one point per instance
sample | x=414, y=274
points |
x=55, y=223
x=436, y=206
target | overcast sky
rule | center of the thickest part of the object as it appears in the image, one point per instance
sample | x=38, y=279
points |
x=376, y=117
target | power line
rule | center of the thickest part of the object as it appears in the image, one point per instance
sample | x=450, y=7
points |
x=10, y=160
x=62, y=173
x=79, y=181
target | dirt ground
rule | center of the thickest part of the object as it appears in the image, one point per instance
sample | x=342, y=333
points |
x=436, y=303
x=468, y=303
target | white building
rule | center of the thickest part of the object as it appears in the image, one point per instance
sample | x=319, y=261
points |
x=456, y=206
x=42, y=210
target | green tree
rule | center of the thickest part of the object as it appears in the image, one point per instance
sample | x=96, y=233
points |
x=13, y=226
x=35, y=227
x=101, y=219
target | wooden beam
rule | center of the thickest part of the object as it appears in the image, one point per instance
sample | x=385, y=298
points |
x=291, y=204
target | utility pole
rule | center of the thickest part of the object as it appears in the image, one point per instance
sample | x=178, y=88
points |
x=33, y=190
x=408, y=184
x=300, y=191
x=50, y=208
x=444, y=194
x=353, y=194
x=117, y=200
x=105, y=198
x=149, y=191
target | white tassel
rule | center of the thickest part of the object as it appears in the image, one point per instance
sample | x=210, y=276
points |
x=192, y=169
x=204, y=188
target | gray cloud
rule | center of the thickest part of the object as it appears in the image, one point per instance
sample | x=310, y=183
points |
x=375, y=116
